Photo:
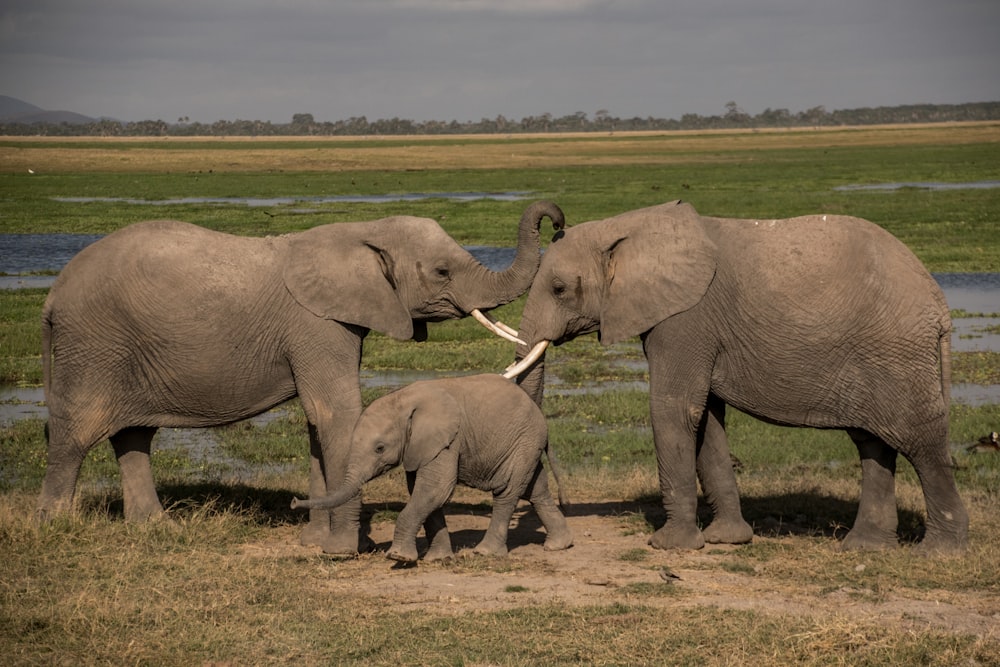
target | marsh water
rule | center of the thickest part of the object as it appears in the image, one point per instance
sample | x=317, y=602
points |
x=24, y=254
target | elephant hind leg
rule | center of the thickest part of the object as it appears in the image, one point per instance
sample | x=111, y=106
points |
x=875, y=525
x=65, y=454
x=132, y=447
x=947, y=527
x=714, y=465
x=557, y=533
x=494, y=542
x=438, y=539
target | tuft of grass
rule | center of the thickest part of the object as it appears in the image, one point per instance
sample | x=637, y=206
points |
x=634, y=555
x=650, y=589
x=976, y=367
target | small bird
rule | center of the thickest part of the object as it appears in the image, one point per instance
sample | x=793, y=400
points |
x=987, y=443
x=668, y=575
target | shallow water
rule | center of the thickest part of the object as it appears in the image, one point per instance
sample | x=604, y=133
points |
x=921, y=185
x=23, y=254
x=972, y=292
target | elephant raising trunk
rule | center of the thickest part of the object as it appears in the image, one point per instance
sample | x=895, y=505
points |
x=167, y=324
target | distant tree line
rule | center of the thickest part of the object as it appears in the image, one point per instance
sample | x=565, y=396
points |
x=601, y=121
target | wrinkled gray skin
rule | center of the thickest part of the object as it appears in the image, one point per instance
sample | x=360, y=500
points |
x=165, y=324
x=823, y=321
x=480, y=431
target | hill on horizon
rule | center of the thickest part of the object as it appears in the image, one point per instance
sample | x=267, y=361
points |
x=13, y=110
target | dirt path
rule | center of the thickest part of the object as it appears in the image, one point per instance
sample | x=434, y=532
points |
x=607, y=565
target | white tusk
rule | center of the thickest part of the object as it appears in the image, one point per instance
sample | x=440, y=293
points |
x=501, y=325
x=499, y=328
x=516, y=369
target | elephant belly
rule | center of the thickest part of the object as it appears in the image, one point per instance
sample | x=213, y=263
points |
x=828, y=386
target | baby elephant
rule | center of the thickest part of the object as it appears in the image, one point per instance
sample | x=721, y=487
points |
x=482, y=431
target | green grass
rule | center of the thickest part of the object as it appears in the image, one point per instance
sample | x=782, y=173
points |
x=951, y=230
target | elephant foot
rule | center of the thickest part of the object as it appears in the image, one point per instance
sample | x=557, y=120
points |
x=314, y=533
x=340, y=543
x=439, y=555
x=440, y=549
x=400, y=554
x=722, y=531
x=145, y=513
x=559, y=540
x=936, y=547
x=336, y=545
x=490, y=547
x=677, y=537
x=869, y=540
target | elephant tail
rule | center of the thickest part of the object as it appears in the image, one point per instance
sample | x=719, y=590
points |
x=47, y=348
x=944, y=351
x=557, y=473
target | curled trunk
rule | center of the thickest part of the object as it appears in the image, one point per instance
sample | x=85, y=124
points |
x=495, y=288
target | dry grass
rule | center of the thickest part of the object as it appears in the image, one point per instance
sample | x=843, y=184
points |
x=225, y=582
x=244, y=154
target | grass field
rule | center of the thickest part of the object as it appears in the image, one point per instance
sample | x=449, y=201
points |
x=225, y=582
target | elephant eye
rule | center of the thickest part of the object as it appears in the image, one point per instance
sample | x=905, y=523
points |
x=558, y=288
x=443, y=272
x=380, y=449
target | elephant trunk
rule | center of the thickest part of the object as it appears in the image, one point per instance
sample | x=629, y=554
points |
x=346, y=492
x=496, y=288
x=529, y=375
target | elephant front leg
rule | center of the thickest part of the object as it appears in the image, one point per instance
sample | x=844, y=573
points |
x=435, y=528
x=338, y=531
x=718, y=479
x=132, y=447
x=431, y=486
x=674, y=428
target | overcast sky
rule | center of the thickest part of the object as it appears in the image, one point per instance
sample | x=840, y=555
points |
x=472, y=59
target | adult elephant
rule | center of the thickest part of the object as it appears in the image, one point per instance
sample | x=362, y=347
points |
x=822, y=321
x=166, y=324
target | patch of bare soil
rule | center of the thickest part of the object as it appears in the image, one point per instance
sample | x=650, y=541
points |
x=610, y=563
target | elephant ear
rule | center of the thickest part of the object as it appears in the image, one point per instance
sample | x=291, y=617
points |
x=659, y=263
x=433, y=426
x=346, y=279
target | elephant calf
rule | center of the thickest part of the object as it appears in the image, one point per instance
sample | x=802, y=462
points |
x=481, y=431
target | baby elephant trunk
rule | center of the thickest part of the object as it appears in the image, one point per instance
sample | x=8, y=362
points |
x=327, y=502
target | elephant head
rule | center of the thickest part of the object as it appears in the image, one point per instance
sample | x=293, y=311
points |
x=618, y=277
x=409, y=426
x=411, y=270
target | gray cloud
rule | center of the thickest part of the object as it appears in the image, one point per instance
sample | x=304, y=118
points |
x=468, y=59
